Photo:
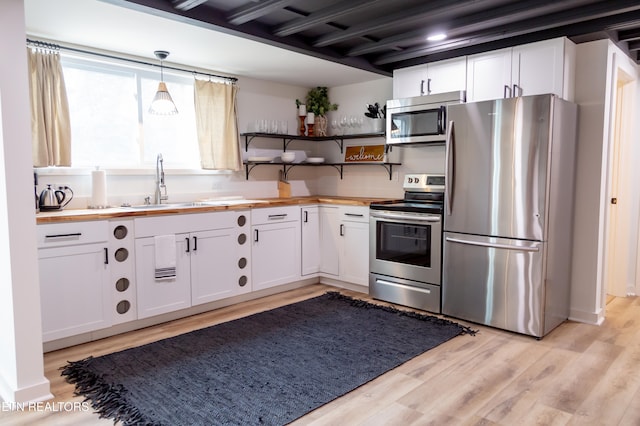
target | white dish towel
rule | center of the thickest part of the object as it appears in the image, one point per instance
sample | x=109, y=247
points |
x=165, y=256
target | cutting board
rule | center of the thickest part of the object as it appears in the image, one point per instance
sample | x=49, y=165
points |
x=284, y=187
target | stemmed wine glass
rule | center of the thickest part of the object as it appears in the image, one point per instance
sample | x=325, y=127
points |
x=344, y=122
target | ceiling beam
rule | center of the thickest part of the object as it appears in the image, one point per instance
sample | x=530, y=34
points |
x=626, y=35
x=478, y=21
x=187, y=4
x=321, y=16
x=429, y=10
x=250, y=12
x=634, y=45
x=585, y=19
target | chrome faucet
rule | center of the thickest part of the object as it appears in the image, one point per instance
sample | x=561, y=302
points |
x=160, y=186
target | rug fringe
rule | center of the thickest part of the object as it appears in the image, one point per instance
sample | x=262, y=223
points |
x=422, y=317
x=107, y=399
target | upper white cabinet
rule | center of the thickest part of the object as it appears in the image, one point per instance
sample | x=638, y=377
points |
x=438, y=77
x=73, y=260
x=531, y=69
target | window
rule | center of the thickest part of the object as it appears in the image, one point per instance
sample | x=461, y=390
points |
x=110, y=123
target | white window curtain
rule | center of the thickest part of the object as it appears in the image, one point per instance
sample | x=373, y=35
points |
x=217, y=125
x=50, y=124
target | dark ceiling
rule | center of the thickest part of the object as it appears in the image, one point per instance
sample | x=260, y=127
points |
x=382, y=35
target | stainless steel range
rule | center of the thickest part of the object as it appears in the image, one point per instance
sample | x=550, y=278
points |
x=406, y=245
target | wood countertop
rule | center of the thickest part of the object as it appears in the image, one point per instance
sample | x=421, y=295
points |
x=128, y=212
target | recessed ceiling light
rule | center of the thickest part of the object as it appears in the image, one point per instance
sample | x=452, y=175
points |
x=437, y=37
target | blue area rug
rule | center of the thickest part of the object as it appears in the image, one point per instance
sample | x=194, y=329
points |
x=269, y=368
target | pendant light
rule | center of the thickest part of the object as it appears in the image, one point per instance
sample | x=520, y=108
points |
x=162, y=103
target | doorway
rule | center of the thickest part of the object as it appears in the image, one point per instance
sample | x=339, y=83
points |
x=620, y=241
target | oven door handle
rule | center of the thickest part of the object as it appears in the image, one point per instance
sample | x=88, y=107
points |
x=406, y=217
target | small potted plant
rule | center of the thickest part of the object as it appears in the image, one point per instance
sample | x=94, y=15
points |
x=317, y=102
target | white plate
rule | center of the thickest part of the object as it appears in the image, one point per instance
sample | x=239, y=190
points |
x=315, y=160
x=260, y=159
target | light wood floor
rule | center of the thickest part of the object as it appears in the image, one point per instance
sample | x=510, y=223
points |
x=577, y=375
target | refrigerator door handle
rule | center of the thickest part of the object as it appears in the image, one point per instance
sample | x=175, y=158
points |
x=448, y=168
x=492, y=245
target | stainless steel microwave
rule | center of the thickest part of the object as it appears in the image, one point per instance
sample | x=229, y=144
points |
x=421, y=119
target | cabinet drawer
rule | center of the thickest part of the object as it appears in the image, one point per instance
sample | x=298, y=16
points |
x=72, y=233
x=185, y=223
x=354, y=214
x=275, y=214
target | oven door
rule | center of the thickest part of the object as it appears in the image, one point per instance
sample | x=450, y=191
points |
x=416, y=124
x=406, y=245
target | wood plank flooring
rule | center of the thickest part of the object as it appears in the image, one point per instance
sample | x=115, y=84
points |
x=577, y=375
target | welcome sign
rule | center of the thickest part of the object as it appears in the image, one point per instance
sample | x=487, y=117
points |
x=364, y=153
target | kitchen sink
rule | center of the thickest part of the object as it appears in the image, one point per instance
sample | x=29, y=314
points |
x=204, y=203
x=161, y=206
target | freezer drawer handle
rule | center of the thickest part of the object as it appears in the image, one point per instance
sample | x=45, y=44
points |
x=492, y=245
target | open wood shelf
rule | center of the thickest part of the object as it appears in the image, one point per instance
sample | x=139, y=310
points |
x=286, y=167
x=287, y=139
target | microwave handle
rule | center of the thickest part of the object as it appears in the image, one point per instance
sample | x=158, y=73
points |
x=442, y=116
x=449, y=171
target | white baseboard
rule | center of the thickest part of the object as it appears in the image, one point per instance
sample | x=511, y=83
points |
x=594, y=318
x=36, y=392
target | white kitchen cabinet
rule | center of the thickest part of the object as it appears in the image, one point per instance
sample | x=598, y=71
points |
x=437, y=77
x=310, y=230
x=275, y=246
x=344, y=240
x=220, y=265
x=531, y=69
x=157, y=297
x=329, y=240
x=74, y=278
x=212, y=260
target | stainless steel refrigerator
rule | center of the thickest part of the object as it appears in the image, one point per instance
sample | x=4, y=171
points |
x=508, y=212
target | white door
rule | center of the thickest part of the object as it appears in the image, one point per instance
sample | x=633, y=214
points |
x=275, y=254
x=157, y=297
x=215, y=271
x=74, y=290
x=489, y=75
x=354, y=262
x=310, y=240
x=538, y=68
x=447, y=76
x=410, y=82
x=330, y=241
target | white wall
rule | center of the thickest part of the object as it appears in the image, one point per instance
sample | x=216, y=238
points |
x=256, y=99
x=596, y=67
x=373, y=181
x=21, y=362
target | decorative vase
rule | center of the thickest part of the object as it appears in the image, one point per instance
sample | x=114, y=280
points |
x=321, y=127
x=302, y=129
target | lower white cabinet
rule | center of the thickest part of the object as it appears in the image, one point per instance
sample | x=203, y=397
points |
x=310, y=230
x=275, y=246
x=344, y=241
x=212, y=261
x=73, y=263
x=220, y=265
x=160, y=296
